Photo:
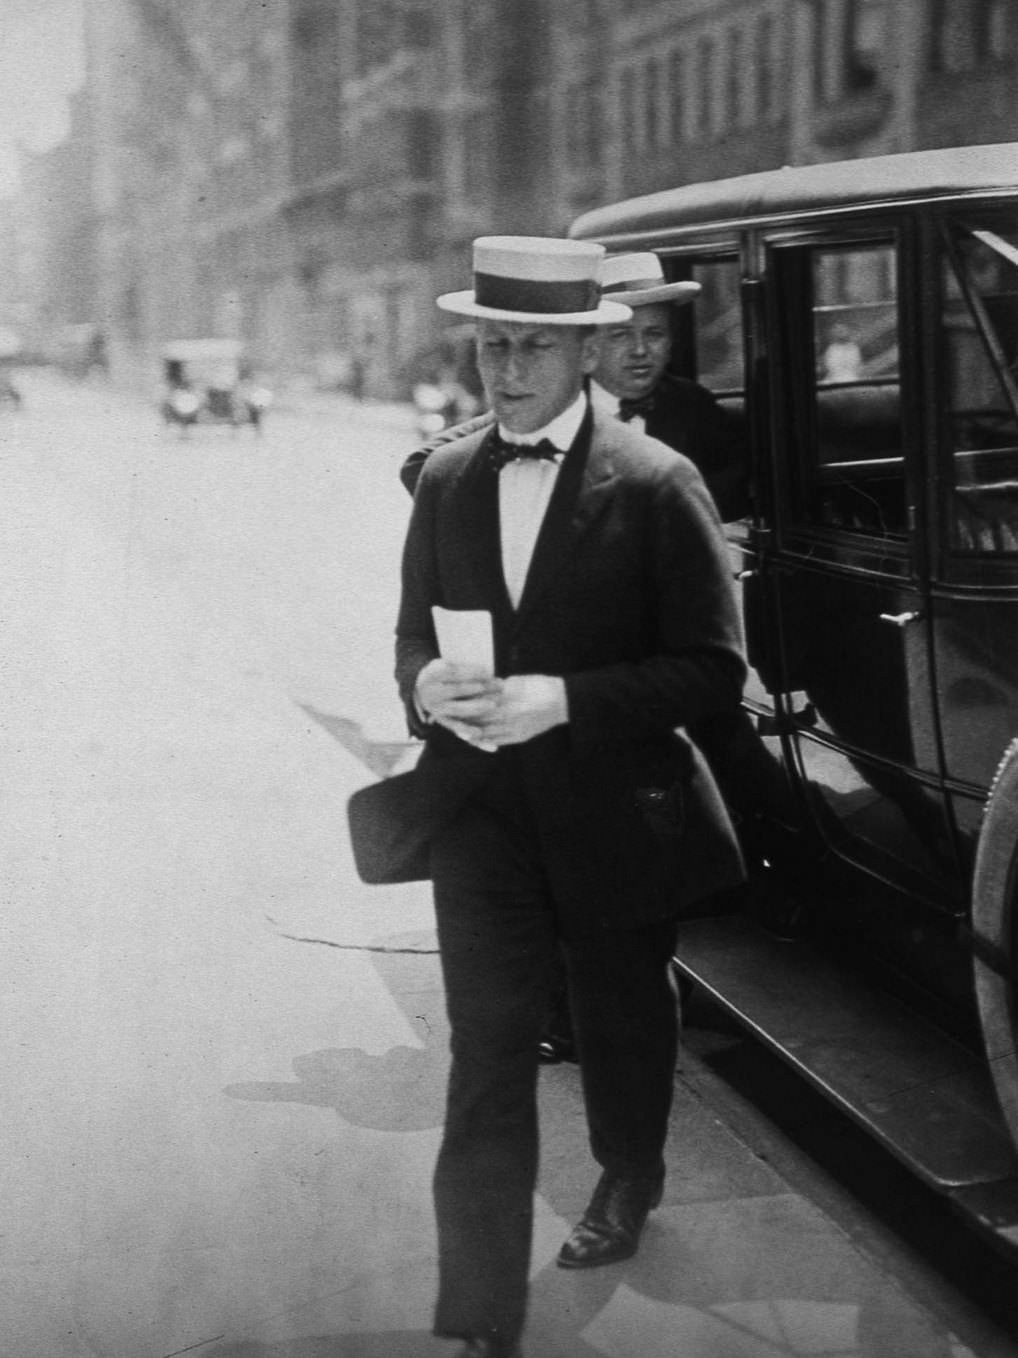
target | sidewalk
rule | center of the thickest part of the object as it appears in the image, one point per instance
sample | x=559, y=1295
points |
x=224, y=1056
x=171, y=820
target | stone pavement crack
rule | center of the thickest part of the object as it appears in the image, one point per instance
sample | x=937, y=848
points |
x=362, y=947
x=191, y=1347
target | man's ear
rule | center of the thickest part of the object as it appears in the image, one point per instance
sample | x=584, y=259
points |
x=590, y=352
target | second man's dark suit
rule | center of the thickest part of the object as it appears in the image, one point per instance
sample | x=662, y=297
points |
x=689, y=418
x=596, y=834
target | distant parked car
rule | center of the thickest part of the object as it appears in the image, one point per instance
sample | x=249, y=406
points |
x=208, y=382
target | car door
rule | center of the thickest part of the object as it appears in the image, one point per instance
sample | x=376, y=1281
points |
x=975, y=588
x=847, y=579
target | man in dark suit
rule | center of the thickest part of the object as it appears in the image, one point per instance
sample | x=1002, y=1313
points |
x=630, y=382
x=583, y=821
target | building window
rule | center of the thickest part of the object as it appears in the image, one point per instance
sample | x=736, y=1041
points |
x=733, y=80
x=583, y=125
x=765, y=68
x=376, y=33
x=964, y=33
x=706, y=91
x=574, y=131
x=849, y=49
x=627, y=110
x=677, y=95
x=478, y=39
x=953, y=33
x=306, y=28
x=477, y=159
x=994, y=41
x=422, y=143
x=593, y=122
x=865, y=36
x=315, y=33
x=651, y=98
x=418, y=28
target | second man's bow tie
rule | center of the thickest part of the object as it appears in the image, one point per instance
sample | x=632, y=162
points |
x=502, y=452
x=630, y=407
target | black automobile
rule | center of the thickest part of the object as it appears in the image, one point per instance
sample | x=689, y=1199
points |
x=208, y=381
x=862, y=318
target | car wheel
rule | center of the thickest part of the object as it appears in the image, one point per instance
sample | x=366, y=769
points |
x=995, y=926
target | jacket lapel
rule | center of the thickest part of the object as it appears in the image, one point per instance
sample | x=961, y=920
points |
x=587, y=474
x=479, y=531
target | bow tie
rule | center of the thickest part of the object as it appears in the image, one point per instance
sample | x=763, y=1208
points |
x=630, y=407
x=502, y=452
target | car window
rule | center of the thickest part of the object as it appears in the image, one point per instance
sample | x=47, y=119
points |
x=980, y=396
x=855, y=315
x=717, y=321
x=842, y=337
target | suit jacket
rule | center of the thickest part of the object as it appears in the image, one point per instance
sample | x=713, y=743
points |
x=685, y=415
x=629, y=597
x=690, y=419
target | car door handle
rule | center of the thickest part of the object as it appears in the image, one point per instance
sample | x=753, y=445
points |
x=900, y=619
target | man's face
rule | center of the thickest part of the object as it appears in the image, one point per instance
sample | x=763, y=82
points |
x=532, y=372
x=635, y=353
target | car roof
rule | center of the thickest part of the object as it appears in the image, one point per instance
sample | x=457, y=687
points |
x=801, y=189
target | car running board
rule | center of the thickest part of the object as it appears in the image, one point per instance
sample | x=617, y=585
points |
x=923, y=1095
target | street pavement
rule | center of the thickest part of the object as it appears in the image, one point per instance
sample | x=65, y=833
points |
x=223, y=1056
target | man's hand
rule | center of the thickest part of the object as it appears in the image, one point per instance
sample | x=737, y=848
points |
x=528, y=705
x=460, y=697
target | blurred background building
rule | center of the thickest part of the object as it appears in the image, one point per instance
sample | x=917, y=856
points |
x=306, y=175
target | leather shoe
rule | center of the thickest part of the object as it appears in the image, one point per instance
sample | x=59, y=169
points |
x=610, y=1228
x=556, y=1047
x=483, y=1346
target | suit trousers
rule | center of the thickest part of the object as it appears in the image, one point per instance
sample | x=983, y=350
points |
x=499, y=942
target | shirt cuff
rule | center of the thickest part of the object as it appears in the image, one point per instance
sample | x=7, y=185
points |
x=420, y=711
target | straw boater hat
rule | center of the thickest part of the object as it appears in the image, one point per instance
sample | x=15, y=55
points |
x=638, y=280
x=536, y=278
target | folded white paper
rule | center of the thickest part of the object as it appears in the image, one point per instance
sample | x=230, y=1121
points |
x=465, y=636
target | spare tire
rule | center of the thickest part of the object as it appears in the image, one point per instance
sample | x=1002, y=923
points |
x=995, y=925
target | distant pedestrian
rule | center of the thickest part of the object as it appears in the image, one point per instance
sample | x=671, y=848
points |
x=842, y=359
x=357, y=377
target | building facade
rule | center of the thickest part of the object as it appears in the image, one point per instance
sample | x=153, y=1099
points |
x=59, y=243
x=189, y=107
x=307, y=174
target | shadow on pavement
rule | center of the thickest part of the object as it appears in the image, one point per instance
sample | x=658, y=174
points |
x=758, y=1274
x=402, y=1091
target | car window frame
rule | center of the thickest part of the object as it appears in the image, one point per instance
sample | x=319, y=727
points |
x=891, y=555
x=956, y=565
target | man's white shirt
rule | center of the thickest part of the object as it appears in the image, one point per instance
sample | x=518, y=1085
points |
x=524, y=490
x=607, y=404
